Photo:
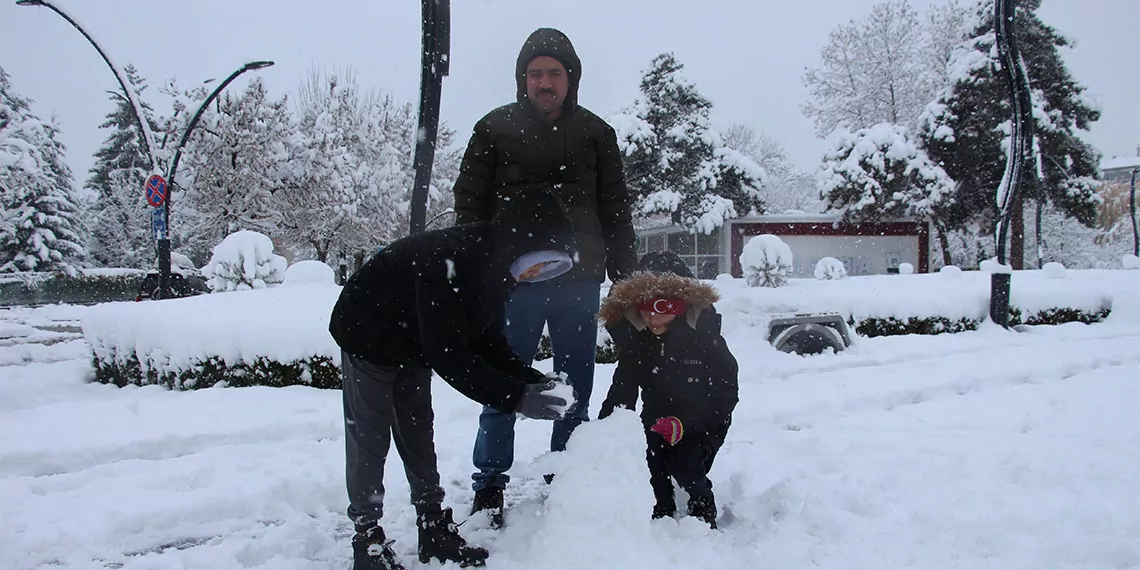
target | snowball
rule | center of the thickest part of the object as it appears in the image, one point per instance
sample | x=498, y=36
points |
x=952, y=270
x=309, y=272
x=1130, y=261
x=1054, y=270
x=829, y=268
x=766, y=261
x=906, y=269
x=244, y=260
x=561, y=389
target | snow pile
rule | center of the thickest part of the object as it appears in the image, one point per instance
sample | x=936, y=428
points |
x=766, y=261
x=1053, y=270
x=951, y=270
x=906, y=269
x=309, y=272
x=1129, y=261
x=244, y=260
x=829, y=268
x=991, y=265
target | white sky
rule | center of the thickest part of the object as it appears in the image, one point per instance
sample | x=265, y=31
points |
x=748, y=57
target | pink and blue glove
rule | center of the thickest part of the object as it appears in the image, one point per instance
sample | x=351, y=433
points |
x=669, y=428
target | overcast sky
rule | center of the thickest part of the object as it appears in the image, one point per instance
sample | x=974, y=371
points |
x=746, y=56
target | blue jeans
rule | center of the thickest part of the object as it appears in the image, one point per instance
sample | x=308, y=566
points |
x=569, y=309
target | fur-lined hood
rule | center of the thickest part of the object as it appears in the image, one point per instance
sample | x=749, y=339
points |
x=643, y=286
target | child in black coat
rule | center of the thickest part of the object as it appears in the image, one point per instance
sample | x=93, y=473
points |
x=667, y=334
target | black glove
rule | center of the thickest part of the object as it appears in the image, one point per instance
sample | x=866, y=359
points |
x=538, y=406
x=533, y=376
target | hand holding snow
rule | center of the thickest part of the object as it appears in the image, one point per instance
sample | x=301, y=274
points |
x=560, y=388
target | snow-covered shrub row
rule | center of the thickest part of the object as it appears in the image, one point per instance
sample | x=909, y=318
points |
x=605, y=354
x=270, y=337
x=87, y=287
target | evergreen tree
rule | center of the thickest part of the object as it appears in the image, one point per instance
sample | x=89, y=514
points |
x=676, y=164
x=879, y=173
x=39, y=225
x=965, y=129
x=119, y=214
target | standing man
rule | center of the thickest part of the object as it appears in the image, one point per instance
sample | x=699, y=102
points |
x=545, y=140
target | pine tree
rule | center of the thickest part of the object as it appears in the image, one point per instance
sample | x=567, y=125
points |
x=676, y=164
x=119, y=214
x=965, y=129
x=39, y=225
x=879, y=173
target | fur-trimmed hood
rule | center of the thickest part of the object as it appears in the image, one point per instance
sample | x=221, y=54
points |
x=643, y=286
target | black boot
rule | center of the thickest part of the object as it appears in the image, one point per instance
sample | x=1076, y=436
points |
x=439, y=538
x=371, y=551
x=704, y=509
x=490, y=499
x=666, y=505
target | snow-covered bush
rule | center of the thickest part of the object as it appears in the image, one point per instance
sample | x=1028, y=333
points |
x=309, y=272
x=906, y=269
x=829, y=268
x=766, y=261
x=1054, y=270
x=951, y=270
x=1130, y=261
x=244, y=260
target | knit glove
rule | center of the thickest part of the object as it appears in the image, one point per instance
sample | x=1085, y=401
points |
x=669, y=428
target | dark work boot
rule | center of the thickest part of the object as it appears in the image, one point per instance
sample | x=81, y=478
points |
x=704, y=509
x=490, y=499
x=440, y=539
x=371, y=551
x=666, y=505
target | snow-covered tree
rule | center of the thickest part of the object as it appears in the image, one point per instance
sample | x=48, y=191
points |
x=766, y=261
x=880, y=173
x=966, y=128
x=236, y=158
x=244, y=260
x=882, y=68
x=40, y=229
x=787, y=187
x=830, y=269
x=119, y=216
x=675, y=163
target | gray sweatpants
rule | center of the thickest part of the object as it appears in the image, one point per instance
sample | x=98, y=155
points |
x=382, y=403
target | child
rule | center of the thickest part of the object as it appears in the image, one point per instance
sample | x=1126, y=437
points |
x=667, y=334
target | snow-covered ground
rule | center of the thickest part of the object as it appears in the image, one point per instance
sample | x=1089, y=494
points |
x=987, y=449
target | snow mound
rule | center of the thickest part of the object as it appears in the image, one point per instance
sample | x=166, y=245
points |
x=829, y=268
x=906, y=269
x=991, y=265
x=309, y=272
x=1130, y=261
x=1053, y=270
x=952, y=270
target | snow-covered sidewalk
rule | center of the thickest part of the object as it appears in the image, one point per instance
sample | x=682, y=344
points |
x=977, y=450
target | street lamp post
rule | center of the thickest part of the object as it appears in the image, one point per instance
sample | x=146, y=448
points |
x=164, y=238
x=1020, y=139
x=433, y=66
x=144, y=128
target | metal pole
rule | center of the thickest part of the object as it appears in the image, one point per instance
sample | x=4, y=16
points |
x=1021, y=137
x=433, y=67
x=144, y=128
x=1132, y=211
x=164, y=240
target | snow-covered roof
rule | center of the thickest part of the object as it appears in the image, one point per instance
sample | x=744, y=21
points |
x=1119, y=162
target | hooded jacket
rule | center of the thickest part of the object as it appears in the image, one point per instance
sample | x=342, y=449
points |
x=436, y=300
x=513, y=151
x=687, y=372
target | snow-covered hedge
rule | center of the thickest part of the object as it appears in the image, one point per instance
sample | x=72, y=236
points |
x=267, y=337
x=88, y=287
x=279, y=336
